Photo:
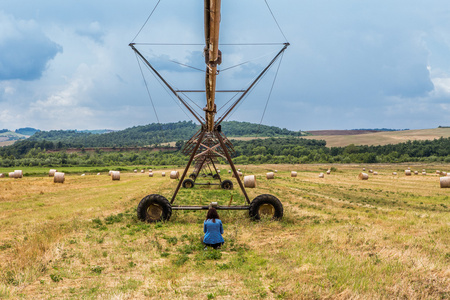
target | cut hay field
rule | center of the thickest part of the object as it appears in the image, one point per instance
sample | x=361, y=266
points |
x=341, y=238
x=383, y=137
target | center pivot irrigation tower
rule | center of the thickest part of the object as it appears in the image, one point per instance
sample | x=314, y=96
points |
x=209, y=143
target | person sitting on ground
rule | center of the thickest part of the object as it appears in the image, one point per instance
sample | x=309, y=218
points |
x=213, y=229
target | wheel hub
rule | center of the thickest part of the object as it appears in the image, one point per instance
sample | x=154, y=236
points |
x=266, y=210
x=154, y=212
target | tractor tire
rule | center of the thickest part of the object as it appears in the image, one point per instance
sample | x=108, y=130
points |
x=193, y=176
x=226, y=185
x=188, y=183
x=266, y=205
x=154, y=208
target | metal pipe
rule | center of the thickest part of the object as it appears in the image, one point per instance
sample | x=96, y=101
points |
x=206, y=207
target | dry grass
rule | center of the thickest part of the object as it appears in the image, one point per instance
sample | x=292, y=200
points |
x=383, y=138
x=341, y=238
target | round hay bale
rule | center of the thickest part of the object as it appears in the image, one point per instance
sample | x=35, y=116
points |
x=51, y=173
x=423, y=170
x=11, y=174
x=110, y=172
x=445, y=182
x=229, y=171
x=328, y=172
x=98, y=174
x=375, y=173
x=444, y=173
x=409, y=168
x=364, y=169
x=150, y=170
x=18, y=174
x=416, y=172
x=250, y=181
x=424, y=173
x=239, y=170
x=363, y=176
x=174, y=175
x=321, y=175
x=408, y=172
x=438, y=172
x=150, y=174
x=135, y=171
x=270, y=175
x=370, y=171
x=293, y=174
x=394, y=173
x=239, y=174
x=163, y=174
x=58, y=177
x=276, y=171
x=218, y=171
x=2, y=175
x=83, y=174
x=115, y=175
x=142, y=171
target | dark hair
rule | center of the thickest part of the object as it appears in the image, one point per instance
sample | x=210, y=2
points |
x=212, y=214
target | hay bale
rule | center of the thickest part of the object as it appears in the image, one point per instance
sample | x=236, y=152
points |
x=416, y=172
x=150, y=174
x=409, y=168
x=83, y=174
x=363, y=176
x=364, y=169
x=394, y=173
x=11, y=174
x=150, y=170
x=174, y=175
x=135, y=171
x=18, y=174
x=328, y=172
x=239, y=174
x=276, y=171
x=142, y=171
x=270, y=175
x=370, y=171
x=163, y=174
x=229, y=171
x=423, y=170
x=375, y=173
x=321, y=175
x=445, y=182
x=408, y=172
x=2, y=175
x=115, y=175
x=58, y=177
x=218, y=171
x=250, y=181
x=98, y=174
x=444, y=173
x=51, y=173
x=293, y=174
x=424, y=173
x=110, y=172
x=438, y=172
x=239, y=170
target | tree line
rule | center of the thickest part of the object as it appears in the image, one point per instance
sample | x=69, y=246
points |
x=258, y=151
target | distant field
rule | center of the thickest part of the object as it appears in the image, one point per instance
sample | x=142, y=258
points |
x=6, y=143
x=340, y=238
x=383, y=137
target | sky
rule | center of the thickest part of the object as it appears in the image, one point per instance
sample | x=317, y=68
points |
x=350, y=64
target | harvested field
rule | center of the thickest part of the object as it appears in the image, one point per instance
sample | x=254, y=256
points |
x=382, y=137
x=385, y=237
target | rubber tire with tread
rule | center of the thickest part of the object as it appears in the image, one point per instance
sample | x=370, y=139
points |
x=188, y=183
x=157, y=201
x=226, y=185
x=193, y=176
x=268, y=200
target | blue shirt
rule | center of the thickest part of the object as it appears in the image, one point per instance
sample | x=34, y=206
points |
x=213, y=232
